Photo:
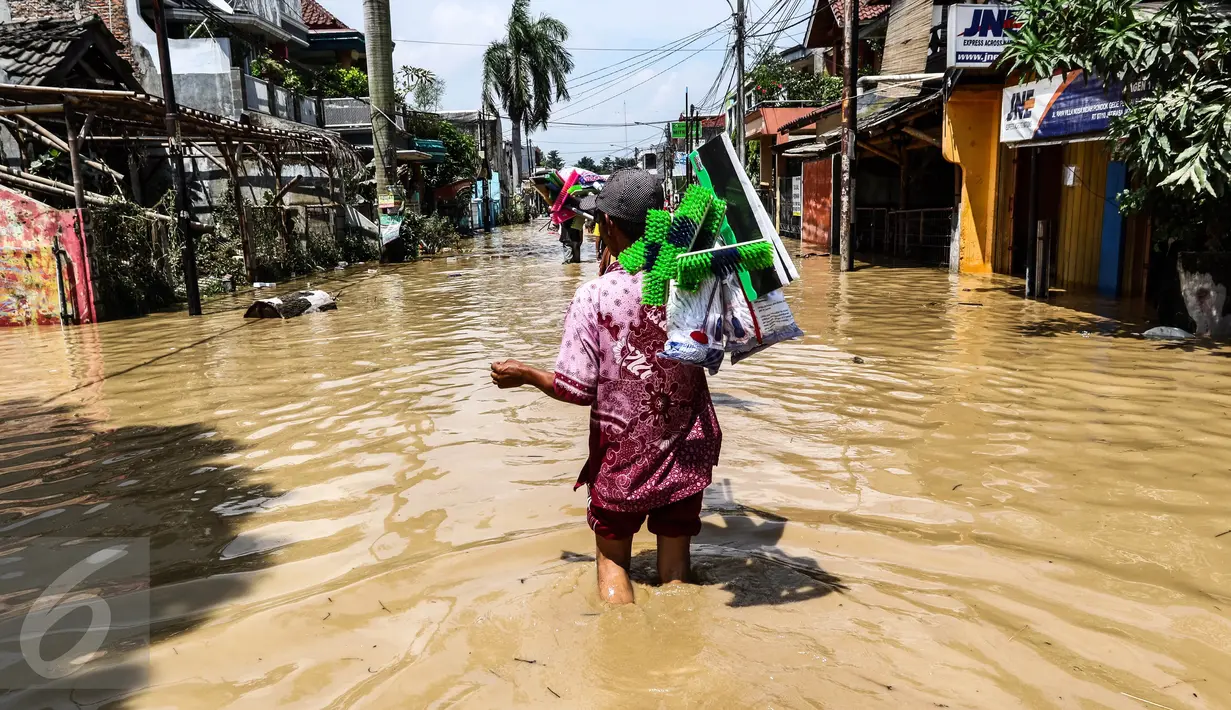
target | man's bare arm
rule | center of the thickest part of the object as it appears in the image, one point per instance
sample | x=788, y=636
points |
x=511, y=373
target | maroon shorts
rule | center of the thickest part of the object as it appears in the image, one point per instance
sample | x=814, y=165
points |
x=679, y=519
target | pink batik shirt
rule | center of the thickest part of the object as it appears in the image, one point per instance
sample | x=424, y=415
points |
x=654, y=435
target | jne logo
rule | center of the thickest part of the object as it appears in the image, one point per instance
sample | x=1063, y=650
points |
x=987, y=21
x=1021, y=105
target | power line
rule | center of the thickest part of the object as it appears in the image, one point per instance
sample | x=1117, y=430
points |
x=668, y=45
x=801, y=20
x=647, y=80
x=571, y=49
x=606, y=79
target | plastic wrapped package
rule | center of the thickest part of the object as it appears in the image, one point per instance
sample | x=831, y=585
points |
x=737, y=327
x=695, y=326
x=772, y=323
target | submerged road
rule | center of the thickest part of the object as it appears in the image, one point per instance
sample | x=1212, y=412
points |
x=944, y=496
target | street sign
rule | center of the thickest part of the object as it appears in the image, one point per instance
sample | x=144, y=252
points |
x=679, y=129
x=977, y=34
x=1065, y=105
x=797, y=195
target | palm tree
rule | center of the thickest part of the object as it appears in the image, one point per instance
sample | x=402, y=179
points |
x=525, y=73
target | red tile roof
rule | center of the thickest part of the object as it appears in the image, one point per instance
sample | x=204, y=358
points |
x=316, y=17
x=867, y=10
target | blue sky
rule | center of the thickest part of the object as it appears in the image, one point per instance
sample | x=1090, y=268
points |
x=619, y=24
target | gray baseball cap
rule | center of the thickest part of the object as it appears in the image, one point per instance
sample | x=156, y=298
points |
x=628, y=195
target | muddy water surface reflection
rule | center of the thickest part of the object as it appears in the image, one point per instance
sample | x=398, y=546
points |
x=1000, y=504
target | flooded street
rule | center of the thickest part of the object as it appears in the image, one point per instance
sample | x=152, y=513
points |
x=944, y=496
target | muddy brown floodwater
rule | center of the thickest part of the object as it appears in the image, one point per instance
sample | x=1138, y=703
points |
x=999, y=504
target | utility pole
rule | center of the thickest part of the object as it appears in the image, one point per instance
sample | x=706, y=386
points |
x=687, y=145
x=380, y=92
x=175, y=154
x=485, y=203
x=740, y=109
x=850, y=100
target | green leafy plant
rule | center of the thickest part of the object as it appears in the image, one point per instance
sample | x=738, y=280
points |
x=1176, y=135
x=514, y=213
x=267, y=68
x=428, y=234
x=587, y=163
x=339, y=82
x=134, y=273
x=772, y=79
x=461, y=157
x=553, y=160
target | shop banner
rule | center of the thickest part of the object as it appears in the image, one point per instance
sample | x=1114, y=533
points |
x=1067, y=105
x=797, y=195
x=977, y=34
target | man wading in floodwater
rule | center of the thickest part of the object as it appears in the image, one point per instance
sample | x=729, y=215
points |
x=654, y=436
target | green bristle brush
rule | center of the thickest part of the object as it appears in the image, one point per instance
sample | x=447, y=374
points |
x=709, y=234
x=694, y=267
x=633, y=259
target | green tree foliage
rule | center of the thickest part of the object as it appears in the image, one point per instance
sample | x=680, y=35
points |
x=553, y=160
x=419, y=88
x=587, y=163
x=461, y=159
x=1176, y=138
x=610, y=165
x=772, y=79
x=526, y=72
x=337, y=82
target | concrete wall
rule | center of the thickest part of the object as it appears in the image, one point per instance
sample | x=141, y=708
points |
x=201, y=67
x=29, y=287
x=972, y=140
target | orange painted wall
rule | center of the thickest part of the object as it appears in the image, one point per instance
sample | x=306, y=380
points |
x=972, y=140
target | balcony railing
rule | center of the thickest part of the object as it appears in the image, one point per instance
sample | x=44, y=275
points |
x=351, y=113
x=281, y=102
x=268, y=10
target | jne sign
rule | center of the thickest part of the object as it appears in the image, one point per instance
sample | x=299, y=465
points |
x=1066, y=105
x=977, y=34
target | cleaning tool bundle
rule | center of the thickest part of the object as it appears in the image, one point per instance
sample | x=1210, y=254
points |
x=694, y=266
x=695, y=323
x=635, y=257
x=666, y=237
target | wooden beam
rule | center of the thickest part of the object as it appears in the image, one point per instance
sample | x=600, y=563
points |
x=286, y=188
x=31, y=128
x=237, y=196
x=31, y=109
x=916, y=133
x=878, y=152
x=207, y=156
x=53, y=187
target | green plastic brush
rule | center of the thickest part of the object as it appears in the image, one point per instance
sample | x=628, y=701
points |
x=633, y=259
x=694, y=267
x=710, y=232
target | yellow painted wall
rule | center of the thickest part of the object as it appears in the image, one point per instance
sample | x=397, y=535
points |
x=972, y=140
x=1079, y=234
